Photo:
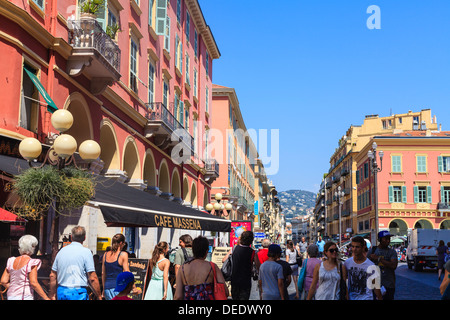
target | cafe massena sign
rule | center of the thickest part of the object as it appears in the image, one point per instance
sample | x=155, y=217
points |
x=176, y=222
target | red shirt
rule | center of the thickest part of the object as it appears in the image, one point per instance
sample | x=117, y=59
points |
x=262, y=255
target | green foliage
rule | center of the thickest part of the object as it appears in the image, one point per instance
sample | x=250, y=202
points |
x=41, y=188
x=92, y=6
x=112, y=30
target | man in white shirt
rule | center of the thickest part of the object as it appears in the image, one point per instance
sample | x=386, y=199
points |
x=359, y=269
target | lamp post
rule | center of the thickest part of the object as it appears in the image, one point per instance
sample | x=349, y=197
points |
x=60, y=155
x=372, y=155
x=218, y=207
x=339, y=197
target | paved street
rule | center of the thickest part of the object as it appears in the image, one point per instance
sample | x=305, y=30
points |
x=411, y=285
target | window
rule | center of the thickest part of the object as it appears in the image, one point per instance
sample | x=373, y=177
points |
x=207, y=64
x=188, y=80
x=150, y=13
x=133, y=65
x=167, y=35
x=166, y=94
x=195, y=83
x=161, y=19
x=445, y=194
x=195, y=43
x=188, y=25
x=178, y=11
x=207, y=99
x=396, y=163
x=29, y=109
x=421, y=163
x=151, y=82
x=366, y=170
x=422, y=194
x=384, y=124
x=40, y=4
x=397, y=194
x=444, y=163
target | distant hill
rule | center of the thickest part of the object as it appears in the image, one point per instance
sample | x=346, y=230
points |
x=296, y=203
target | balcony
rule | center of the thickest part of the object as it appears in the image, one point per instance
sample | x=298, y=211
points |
x=165, y=128
x=443, y=206
x=94, y=54
x=212, y=170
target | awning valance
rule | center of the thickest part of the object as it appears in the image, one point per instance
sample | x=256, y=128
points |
x=6, y=216
x=124, y=206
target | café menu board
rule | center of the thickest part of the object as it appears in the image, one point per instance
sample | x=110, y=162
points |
x=139, y=269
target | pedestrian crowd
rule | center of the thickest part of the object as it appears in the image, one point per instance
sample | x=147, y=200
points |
x=316, y=270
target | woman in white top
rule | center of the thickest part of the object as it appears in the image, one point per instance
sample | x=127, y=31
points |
x=327, y=275
x=20, y=275
x=291, y=258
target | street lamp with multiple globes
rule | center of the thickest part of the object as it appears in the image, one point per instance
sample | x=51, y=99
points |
x=339, y=195
x=60, y=154
x=372, y=155
x=217, y=206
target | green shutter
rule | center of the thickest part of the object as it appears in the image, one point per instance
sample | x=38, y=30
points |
x=404, y=198
x=442, y=194
x=429, y=195
x=440, y=164
x=416, y=194
x=396, y=164
x=161, y=12
x=391, y=194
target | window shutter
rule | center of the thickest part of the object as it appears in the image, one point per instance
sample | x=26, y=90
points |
x=429, y=195
x=161, y=12
x=404, y=199
x=442, y=194
x=391, y=194
x=167, y=35
x=416, y=194
x=440, y=164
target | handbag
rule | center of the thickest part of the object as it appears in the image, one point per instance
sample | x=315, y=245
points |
x=219, y=288
x=301, y=277
x=227, y=268
x=298, y=258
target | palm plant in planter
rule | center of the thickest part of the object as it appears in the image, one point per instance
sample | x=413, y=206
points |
x=111, y=30
x=92, y=7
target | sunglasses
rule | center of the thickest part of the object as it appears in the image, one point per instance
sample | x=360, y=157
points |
x=333, y=250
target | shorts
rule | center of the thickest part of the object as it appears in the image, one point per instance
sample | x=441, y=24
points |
x=65, y=293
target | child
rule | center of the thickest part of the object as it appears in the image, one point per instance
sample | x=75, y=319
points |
x=124, y=285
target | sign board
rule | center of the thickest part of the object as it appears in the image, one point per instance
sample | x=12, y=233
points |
x=218, y=254
x=237, y=228
x=139, y=269
x=260, y=235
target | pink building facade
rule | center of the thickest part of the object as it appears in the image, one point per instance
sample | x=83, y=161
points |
x=129, y=92
x=413, y=186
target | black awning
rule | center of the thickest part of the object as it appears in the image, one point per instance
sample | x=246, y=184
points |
x=124, y=206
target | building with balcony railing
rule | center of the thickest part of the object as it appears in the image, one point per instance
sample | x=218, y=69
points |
x=140, y=93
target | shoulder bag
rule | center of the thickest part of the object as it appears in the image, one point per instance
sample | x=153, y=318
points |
x=219, y=288
x=301, y=277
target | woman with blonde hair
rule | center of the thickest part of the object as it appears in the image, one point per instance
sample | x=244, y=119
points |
x=159, y=287
x=20, y=275
x=326, y=277
x=115, y=261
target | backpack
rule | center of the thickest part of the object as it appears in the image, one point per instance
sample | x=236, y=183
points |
x=227, y=268
x=187, y=257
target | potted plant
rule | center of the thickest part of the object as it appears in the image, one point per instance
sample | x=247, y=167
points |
x=111, y=30
x=91, y=7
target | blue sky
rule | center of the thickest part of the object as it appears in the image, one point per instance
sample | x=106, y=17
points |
x=312, y=69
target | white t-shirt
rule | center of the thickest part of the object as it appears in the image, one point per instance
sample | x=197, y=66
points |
x=357, y=279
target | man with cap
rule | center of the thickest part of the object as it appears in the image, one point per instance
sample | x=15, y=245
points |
x=271, y=277
x=124, y=285
x=385, y=258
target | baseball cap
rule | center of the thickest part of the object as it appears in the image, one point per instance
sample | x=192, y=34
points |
x=123, y=280
x=274, y=248
x=383, y=234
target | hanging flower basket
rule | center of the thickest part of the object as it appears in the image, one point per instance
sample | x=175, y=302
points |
x=39, y=189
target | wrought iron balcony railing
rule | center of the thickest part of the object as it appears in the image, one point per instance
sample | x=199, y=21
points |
x=89, y=34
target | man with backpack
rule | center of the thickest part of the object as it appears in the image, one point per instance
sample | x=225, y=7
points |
x=184, y=254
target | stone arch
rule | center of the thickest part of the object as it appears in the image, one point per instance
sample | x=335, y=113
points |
x=176, y=184
x=164, y=178
x=81, y=129
x=130, y=163
x=186, y=197
x=398, y=227
x=423, y=224
x=193, y=195
x=149, y=173
x=445, y=224
x=109, y=146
